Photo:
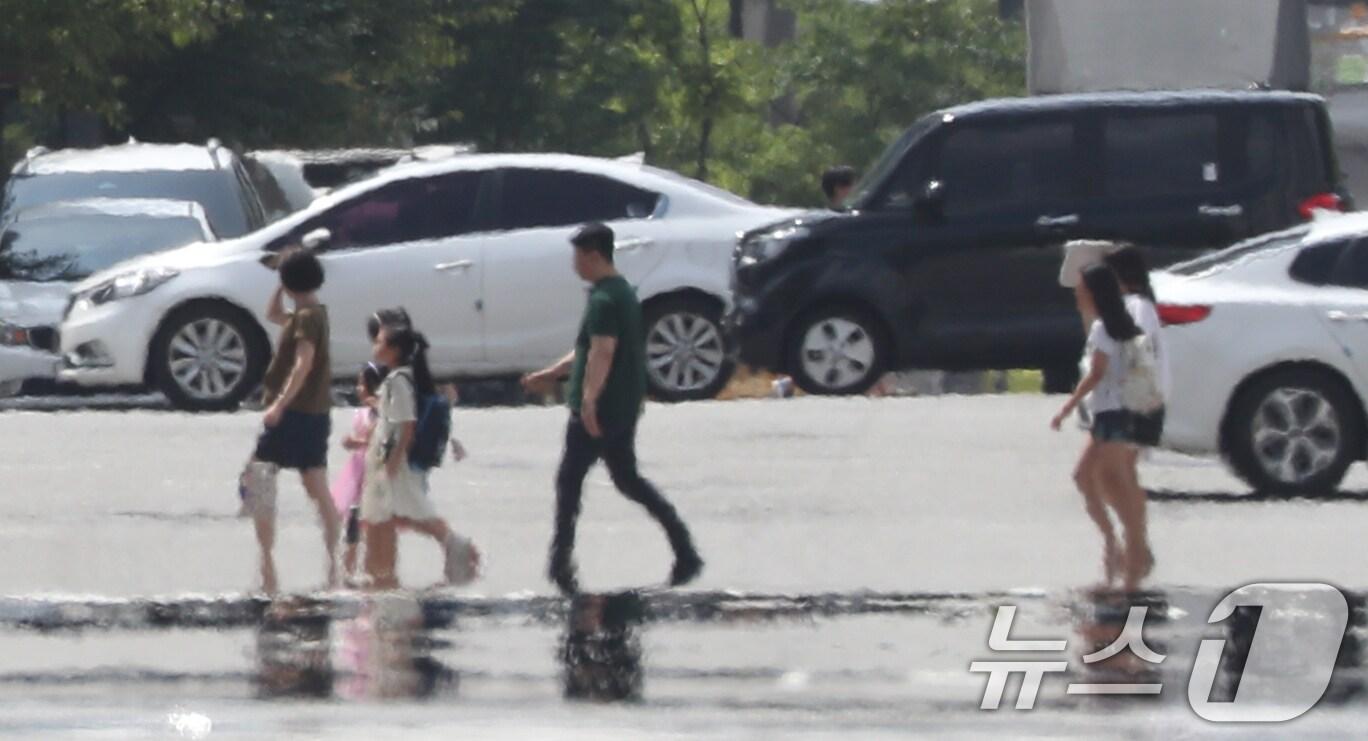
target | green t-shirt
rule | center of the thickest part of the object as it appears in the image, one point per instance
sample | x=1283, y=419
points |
x=613, y=311
x=310, y=324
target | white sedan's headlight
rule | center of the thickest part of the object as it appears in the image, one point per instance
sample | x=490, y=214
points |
x=124, y=285
x=770, y=245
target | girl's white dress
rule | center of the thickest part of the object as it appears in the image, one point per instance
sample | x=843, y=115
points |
x=403, y=495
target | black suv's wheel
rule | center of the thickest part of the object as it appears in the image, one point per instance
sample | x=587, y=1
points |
x=207, y=357
x=1293, y=432
x=686, y=358
x=837, y=350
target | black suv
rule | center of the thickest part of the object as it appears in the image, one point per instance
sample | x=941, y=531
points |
x=948, y=253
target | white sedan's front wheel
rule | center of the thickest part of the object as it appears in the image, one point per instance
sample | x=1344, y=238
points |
x=206, y=357
x=686, y=358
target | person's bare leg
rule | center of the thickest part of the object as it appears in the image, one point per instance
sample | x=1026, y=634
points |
x=1094, y=501
x=440, y=531
x=436, y=529
x=316, y=485
x=381, y=554
x=1128, y=499
x=1141, y=496
x=349, y=560
x=265, y=534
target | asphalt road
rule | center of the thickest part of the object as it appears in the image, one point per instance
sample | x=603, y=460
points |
x=963, y=495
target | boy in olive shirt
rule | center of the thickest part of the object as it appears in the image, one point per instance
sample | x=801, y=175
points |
x=607, y=388
x=298, y=403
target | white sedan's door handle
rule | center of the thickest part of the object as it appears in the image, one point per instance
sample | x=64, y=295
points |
x=633, y=243
x=1335, y=315
x=446, y=267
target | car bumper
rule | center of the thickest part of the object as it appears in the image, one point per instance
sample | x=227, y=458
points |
x=19, y=364
x=107, y=345
x=755, y=337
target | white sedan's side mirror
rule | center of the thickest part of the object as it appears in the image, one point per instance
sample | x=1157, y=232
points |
x=315, y=239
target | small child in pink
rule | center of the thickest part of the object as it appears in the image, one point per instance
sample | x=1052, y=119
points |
x=346, y=488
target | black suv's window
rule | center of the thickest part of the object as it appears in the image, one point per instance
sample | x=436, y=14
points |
x=217, y=191
x=538, y=198
x=992, y=168
x=1161, y=154
x=403, y=211
x=72, y=247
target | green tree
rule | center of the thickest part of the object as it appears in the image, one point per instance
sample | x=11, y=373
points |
x=288, y=73
x=861, y=72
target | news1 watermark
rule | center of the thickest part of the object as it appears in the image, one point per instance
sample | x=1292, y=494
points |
x=1291, y=654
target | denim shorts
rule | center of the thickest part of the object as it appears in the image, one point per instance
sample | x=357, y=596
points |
x=300, y=441
x=1112, y=427
x=1147, y=429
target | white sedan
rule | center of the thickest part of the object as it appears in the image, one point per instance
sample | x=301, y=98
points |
x=475, y=247
x=1268, y=350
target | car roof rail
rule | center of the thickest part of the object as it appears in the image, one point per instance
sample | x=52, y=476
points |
x=214, y=146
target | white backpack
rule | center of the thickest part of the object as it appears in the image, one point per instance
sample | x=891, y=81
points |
x=1140, y=390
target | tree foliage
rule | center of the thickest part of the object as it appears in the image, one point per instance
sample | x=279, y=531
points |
x=608, y=77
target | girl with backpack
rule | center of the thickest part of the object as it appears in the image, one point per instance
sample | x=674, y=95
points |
x=395, y=492
x=1119, y=383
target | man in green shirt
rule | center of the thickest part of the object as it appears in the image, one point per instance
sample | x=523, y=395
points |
x=607, y=372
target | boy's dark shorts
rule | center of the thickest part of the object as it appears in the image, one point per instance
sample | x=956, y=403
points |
x=300, y=441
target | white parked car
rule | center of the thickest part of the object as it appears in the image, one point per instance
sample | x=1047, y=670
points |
x=1268, y=351
x=475, y=247
x=45, y=250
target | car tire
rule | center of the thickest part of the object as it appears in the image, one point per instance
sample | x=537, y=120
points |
x=837, y=351
x=686, y=353
x=1293, y=432
x=208, y=357
x=1060, y=379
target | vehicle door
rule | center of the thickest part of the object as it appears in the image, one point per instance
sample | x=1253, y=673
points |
x=409, y=243
x=533, y=298
x=1164, y=182
x=985, y=272
x=1343, y=303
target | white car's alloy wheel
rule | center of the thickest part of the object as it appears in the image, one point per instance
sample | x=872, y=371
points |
x=1296, y=434
x=684, y=352
x=207, y=358
x=838, y=353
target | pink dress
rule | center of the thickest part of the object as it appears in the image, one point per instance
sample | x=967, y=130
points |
x=346, y=488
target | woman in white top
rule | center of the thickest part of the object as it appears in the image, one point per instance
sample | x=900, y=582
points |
x=1133, y=274
x=1105, y=472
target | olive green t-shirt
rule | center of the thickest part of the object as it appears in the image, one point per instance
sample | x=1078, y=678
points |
x=613, y=311
x=309, y=323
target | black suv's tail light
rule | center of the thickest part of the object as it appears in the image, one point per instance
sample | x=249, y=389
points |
x=1320, y=201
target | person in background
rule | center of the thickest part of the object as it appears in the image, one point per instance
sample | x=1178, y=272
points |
x=346, y=490
x=396, y=494
x=837, y=183
x=298, y=401
x=1102, y=473
x=607, y=372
